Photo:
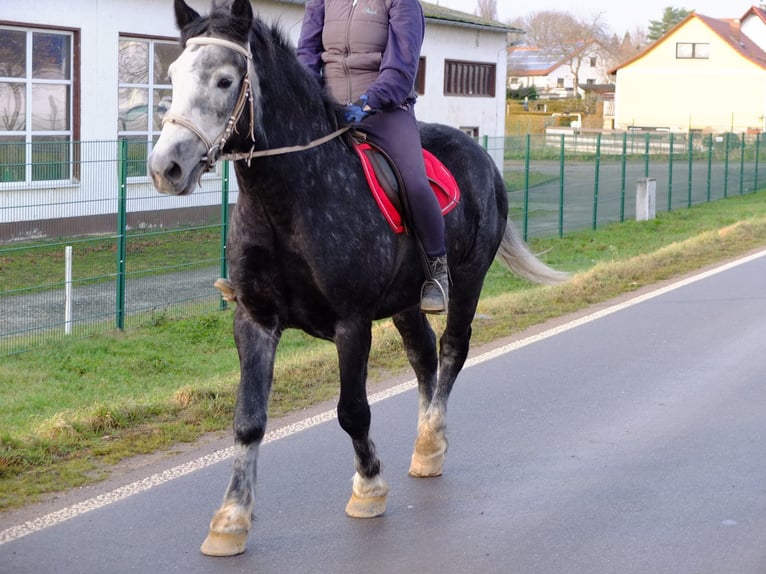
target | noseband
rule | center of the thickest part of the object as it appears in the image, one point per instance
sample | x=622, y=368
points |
x=215, y=147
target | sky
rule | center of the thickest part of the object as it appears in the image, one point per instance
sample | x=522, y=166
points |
x=620, y=15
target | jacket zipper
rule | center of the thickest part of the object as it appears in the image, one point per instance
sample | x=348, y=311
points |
x=346, y=71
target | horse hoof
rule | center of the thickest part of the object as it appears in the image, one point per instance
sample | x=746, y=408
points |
x=368, y=497
x=224, y=543
x=366, y=507
x=228, y=531
x=428, y=456
x=426, y=466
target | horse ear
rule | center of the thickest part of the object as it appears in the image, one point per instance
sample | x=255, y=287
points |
x=184, y=14
x=242, y=9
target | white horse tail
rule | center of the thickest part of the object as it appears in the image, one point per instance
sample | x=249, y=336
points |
x=516, y=256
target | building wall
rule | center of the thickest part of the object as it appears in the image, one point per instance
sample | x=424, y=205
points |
x=100, y=24
x=661, y=91
x=463, y=43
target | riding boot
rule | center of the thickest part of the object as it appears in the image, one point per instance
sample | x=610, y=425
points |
x=434, y=295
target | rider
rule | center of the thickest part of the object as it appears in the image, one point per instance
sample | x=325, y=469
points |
x=366, y=53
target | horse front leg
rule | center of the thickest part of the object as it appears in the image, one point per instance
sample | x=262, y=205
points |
x=256, y=345
x=369, y=491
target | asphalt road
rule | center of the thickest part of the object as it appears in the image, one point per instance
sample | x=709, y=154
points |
x=629, y=441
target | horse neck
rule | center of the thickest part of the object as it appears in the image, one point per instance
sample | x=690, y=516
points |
x=293, y=108
x=293, y=111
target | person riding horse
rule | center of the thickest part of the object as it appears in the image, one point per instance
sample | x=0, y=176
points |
x=366, y=54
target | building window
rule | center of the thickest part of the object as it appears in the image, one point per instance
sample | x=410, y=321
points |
x=420, y=77
x=36, y=104
x=144, y=94
x=469, y=79
x=690, y=50
x=559, y=82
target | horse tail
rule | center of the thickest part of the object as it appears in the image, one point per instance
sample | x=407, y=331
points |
x=516, y=256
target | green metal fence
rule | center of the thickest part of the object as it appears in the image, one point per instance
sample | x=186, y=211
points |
x=563, y=182
x=96, y=248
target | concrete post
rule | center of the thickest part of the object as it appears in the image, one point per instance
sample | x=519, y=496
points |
x=646, y=199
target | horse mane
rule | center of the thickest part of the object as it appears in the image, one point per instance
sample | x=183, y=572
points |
x=271, y=45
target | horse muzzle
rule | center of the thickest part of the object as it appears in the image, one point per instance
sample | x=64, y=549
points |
x=174, y=176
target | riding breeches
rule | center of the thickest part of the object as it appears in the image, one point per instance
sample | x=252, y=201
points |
x=396, y=132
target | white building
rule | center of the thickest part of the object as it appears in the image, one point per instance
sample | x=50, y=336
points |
x=95, y=70
x=555, y=71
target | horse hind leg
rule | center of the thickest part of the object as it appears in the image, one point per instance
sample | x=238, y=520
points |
x=369, y=492
x=420, y=344
x=230, y=526
x=431, y=443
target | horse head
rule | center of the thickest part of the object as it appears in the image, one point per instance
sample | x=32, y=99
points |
x=215, y=88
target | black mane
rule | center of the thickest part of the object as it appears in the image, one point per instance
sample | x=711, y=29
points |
x=273, y=53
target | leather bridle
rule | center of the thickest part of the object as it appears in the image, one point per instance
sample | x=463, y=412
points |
x=245, y=99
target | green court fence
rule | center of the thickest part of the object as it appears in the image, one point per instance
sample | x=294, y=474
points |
x=87, y=245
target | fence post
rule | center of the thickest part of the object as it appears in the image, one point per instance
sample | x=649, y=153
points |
x=742, y=165
x=757, y=152
x=561, y=188
x=224, y=223
x=646, y=155
x=646, y=199
x=121, y=231
x=526, y=186
x=595, y=184
x=670, y=172
x=726, y=166
x=709, y=164
x=691, y=165
x=68, y=290
x=622, y=175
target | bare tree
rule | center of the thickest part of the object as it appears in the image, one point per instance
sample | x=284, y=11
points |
x=486, y=9
x=564, y=36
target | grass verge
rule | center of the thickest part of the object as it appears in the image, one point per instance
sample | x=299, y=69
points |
x=71, y=410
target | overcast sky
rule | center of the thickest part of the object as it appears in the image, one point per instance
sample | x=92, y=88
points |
x=620, y=16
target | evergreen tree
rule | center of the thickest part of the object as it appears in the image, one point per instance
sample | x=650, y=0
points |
x=670, y=17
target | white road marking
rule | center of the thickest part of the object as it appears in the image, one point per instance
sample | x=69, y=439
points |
x=59, y=516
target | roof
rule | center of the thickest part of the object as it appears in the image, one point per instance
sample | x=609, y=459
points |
x=533, y=61
x=440, y=13
x=727, y=30
x=437, y=13
x=759, y=12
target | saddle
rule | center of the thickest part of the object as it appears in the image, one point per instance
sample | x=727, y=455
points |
x=386, y=183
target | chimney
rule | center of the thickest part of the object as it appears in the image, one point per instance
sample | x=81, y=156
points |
x=736, y=31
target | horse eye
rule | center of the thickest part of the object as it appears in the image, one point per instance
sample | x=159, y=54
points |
x=224, y=83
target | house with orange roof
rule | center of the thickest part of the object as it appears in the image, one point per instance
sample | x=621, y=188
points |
x=705, y=74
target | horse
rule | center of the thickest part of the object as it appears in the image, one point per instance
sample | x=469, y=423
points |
x=309, y=249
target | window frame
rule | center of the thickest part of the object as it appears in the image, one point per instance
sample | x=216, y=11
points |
x=696, y=50
x=470, y=79
x=70, y=134
x=420, y=77
x=148, y=135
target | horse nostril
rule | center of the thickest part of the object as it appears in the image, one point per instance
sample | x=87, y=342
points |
x=173, y=172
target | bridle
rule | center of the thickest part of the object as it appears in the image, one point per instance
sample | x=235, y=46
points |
x=245, y=99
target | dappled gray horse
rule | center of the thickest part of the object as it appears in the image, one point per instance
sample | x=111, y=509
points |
x=309, y=249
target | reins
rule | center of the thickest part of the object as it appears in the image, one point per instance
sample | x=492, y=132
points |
x=245, y=98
